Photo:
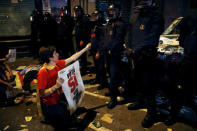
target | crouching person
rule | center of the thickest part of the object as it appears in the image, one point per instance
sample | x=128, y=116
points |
x=7, y=79
x=49, y=86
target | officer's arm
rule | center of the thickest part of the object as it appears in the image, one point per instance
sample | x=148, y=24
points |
x=86, y=30
x=128, y=37
x=157, y=24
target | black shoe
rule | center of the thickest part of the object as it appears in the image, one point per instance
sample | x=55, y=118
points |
x=112, y=104
x=100, y=87
x=170, y=121
x=47, y=122
x=135, y=106
x=107, y=94
x=149, y=120
x=74, y=123
x=92, y=82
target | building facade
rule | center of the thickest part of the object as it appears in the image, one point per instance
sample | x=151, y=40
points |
x=15, y=17
x=14, y=14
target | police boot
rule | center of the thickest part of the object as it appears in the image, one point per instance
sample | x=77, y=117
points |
x=135, y=106
x=149, y=120
x=100, y=87
x=92, y=82
x=108, y=94
x=172, y=117
x=112, y=103
x=170, y=120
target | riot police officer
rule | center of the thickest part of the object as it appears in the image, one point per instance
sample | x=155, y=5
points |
x=115, y=33
x=64, y=35
x=143, y=38
x=98, y=51
x=82, y=33
x=48, y=30
x=36, y=19
x=188, y=40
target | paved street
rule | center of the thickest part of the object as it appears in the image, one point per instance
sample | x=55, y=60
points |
x=93, y=112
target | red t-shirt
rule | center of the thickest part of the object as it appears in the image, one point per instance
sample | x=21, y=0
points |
x=47, y=78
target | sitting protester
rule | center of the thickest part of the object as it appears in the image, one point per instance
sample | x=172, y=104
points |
x=6, y=76
x=49, y=86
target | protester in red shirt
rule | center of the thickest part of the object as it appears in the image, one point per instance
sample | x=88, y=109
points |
x=49, y=85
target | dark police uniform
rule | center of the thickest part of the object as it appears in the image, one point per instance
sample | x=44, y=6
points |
x=142, y=41
x=114, y=39
x=188, y=40
x=64, y=35
x=82, y=32
x=186, y=67
x=48, y=30
x=36, y=19
x=98, y=51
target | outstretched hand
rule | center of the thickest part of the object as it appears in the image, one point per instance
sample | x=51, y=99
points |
x=78, y=54
x=88, y=46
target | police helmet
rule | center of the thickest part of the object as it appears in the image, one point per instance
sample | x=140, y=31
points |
x=36, y=14
x=98, y=15
x=47, y=16
x=113, y=12
x=78, y=11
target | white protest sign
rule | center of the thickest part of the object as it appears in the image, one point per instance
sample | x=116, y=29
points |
x=73, y=86
x=46, y=6
x=12, y=57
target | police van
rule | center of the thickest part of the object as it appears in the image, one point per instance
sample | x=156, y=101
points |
x=168, y=42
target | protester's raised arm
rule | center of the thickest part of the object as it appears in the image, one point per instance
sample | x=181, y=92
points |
x=78, y=54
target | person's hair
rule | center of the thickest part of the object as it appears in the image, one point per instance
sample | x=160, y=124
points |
x=46, y=53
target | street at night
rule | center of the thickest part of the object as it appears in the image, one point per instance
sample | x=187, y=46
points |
x=98, y=65
x=93, y=111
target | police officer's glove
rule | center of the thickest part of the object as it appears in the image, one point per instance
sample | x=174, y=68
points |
x=129, y=51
